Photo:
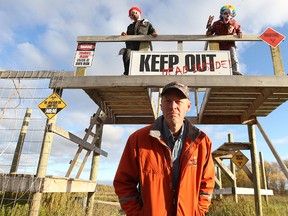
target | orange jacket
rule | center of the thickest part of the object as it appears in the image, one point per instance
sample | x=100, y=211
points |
x=143, y=181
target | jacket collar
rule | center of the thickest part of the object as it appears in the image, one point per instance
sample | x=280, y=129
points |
x=192, y=134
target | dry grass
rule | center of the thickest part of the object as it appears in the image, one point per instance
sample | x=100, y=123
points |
x=106, y=204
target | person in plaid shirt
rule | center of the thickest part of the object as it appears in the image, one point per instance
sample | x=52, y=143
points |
x=226, y=25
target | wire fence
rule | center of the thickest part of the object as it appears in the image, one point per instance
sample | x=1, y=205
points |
x=17, y=96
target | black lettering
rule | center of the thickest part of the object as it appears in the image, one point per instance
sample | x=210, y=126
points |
x=173, y=60
x=154, y=62
x=144, y=63
x=211, y=61
x=163, y=61
x=190, y=62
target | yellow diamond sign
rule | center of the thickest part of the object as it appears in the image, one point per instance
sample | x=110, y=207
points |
x=52, y=105
x=239, y=159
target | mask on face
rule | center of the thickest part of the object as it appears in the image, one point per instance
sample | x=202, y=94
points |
x=226, y=17
x=227, y=13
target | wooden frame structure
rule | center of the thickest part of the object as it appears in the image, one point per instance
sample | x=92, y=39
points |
x=128, y=100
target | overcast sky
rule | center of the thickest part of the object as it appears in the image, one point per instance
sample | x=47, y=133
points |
x=42, y=35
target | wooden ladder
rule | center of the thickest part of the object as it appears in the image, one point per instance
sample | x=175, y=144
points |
x=93, y=121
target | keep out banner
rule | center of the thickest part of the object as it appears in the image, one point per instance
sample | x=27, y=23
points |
x=180, y=63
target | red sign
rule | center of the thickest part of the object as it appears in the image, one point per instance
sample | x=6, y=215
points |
x=272, y=37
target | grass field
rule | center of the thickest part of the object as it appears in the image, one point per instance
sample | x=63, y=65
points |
x=106, y=204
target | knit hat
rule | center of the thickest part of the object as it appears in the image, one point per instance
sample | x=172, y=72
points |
x=135, y=8
x=179, y=86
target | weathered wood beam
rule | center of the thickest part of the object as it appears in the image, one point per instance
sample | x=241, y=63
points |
x=119, y=38
x=41, y=74
x=67, y=135
x=196, y=81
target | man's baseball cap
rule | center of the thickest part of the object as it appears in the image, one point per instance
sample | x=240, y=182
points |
x=179, y=86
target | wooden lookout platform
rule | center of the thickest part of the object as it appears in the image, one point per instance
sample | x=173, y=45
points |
x=225, y=99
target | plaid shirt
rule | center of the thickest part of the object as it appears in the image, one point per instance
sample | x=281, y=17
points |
x=221, y=28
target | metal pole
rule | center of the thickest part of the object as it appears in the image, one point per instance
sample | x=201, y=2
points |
x=19, y=146
x=255, y=168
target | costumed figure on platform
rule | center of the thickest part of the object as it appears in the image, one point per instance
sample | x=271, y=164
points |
x=137, y=27
x=226, y=25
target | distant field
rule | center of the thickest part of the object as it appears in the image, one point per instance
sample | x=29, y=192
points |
x=106, y=204
x=277, y=205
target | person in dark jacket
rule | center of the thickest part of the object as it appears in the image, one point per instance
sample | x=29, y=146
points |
x=226, y=25
x=137, y=27
x=167, y=168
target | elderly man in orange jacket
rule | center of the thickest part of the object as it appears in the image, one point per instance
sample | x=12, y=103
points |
x=166, y=168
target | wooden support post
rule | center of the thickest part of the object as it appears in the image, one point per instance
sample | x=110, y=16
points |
x=255, y=168
x=219, y=177
x=232, y=167
x=263, y=175
x=180, y=46
x=80, y=71
x=43, y=163
x=214, y=45
x=94, y=168
x=42, y=167
x=159, y=102
x=19, y=146
x=275, y=153
x=277, y=61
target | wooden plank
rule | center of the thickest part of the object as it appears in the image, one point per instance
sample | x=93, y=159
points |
x=223, y=154
x=127, y=107
x=130, y=120
x=127, y=103
x=277, y=61
x=229, y=107
x=126, y=99
x=102, y=93
x=235, y=146
x=53, y=184
x=204, y=103
x=40, y=74
x=195, y=81
x=19, y=183
x=256, y=103
x=223, y=167
x=119, y=38
x=49, y=184
x=66, y=134
x=220, y=119
x=237, y=90
x=240, y=190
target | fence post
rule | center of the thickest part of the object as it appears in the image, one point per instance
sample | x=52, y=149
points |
x=19, y=146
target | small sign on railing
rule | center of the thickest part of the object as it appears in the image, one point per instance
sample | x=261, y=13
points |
x=84, y=55
x=180, y=63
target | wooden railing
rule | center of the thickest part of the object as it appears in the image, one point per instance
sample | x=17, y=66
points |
x=212, y=41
